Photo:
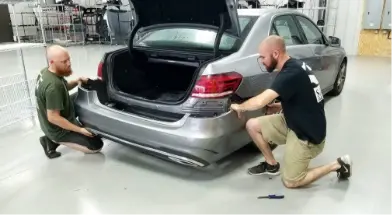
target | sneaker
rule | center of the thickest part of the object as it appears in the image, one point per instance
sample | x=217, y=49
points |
x=264, y=168
x=49, y=147
x=345, y=170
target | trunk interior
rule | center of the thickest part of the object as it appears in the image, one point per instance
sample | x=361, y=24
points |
x=165, y=80
x=100, y=88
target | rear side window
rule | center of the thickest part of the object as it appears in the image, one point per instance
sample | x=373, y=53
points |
x=285, y=27
x=194, y=38
x=311, y=31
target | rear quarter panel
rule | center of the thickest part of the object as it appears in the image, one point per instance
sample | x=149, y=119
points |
x=246, y=61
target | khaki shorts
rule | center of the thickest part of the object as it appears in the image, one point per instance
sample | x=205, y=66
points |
x=298, y=152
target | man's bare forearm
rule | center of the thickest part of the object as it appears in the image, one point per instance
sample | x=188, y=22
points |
x=64, y=123
x=72, y=84
x=259, y=101
x=251, y=104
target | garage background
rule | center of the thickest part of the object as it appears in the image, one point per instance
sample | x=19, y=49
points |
x=349, y=26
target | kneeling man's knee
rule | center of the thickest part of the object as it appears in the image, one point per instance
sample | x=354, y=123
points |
x=289, y=184
x=293, y=180
x=253, y=125
x=96, y=145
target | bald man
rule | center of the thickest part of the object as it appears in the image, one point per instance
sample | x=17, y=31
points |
x=301, y=126
x=55, y=108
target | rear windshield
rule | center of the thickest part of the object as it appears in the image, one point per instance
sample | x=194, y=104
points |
x=189, y=38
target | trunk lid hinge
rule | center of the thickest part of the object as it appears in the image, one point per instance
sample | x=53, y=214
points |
x=132, y=36
x=221, y=31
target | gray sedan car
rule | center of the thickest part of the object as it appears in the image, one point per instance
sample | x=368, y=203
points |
x=169, y=92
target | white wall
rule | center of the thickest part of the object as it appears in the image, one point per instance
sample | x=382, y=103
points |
x=28, y=19
x=348, y=25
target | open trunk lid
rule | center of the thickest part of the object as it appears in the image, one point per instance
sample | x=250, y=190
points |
x=197, y=13
x=217, y=15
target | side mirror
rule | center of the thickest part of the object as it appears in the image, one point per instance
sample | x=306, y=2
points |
x=334, y=41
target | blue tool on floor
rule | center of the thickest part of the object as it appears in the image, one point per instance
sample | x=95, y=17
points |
x=271, y=197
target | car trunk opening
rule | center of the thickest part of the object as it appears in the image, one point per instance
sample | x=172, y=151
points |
x=152, y=79
x=100, y=88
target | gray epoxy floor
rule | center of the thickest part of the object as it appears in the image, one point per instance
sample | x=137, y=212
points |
x=121, y=180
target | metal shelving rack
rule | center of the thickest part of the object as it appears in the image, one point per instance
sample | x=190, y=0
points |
x=8, y=102
x=61, y=24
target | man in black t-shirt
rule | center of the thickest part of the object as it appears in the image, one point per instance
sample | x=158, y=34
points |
x=301, y=126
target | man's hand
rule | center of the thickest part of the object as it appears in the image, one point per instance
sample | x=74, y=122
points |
x=273, y=108
x=74, y=83
x=237, y=109
x=83, y=80
x=85, y=132
x=256, y=102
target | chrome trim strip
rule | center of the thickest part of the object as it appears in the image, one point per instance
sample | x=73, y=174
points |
x=172, y=157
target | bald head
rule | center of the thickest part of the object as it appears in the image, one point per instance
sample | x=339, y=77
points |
x=274, y=42
x=59, y=60
x=55, y=52
x=272, y=51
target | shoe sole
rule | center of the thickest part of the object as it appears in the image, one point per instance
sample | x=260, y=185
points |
x=350, y=163
x=265, y=173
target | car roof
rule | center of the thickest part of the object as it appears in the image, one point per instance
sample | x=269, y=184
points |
x=254, y=12
x=267, y=11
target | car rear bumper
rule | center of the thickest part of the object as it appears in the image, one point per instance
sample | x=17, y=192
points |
x=191, y=141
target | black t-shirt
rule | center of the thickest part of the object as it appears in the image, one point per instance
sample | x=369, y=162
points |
x=302, y=101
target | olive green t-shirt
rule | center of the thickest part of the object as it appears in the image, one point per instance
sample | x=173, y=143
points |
x=52, y=94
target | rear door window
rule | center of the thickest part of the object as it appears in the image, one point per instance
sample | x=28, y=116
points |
x=285, y=27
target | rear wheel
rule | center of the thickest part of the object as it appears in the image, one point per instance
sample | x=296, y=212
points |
x=340, y=80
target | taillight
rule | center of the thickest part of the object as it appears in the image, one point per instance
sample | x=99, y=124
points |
x=217, y=85
x=100, y=68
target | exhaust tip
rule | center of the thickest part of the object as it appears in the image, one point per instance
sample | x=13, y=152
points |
x=186, y=162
